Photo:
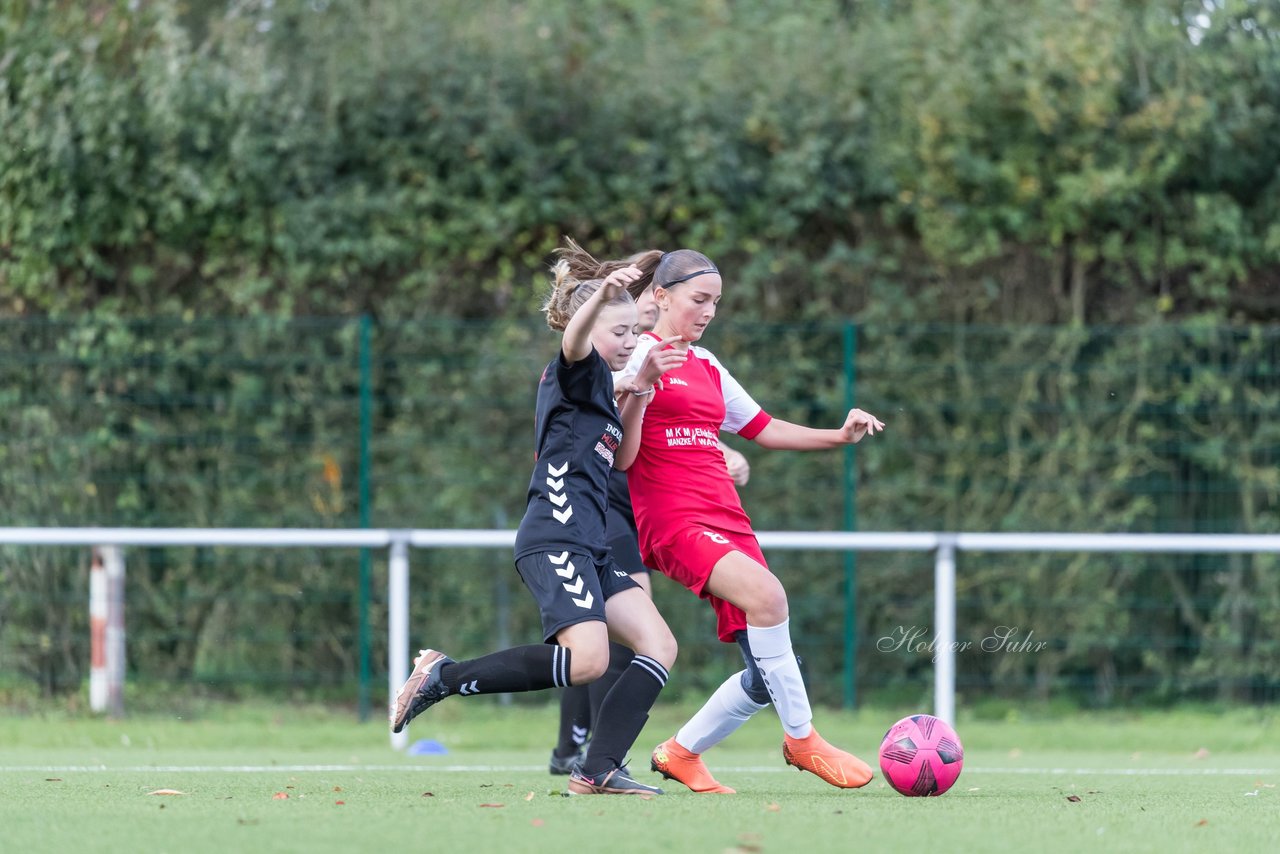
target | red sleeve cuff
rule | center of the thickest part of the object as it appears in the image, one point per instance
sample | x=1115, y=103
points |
x=753, y=427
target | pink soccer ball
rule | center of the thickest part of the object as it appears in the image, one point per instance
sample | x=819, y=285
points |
x=921, y=756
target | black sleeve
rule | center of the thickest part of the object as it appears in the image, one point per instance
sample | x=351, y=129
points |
x=577, y=380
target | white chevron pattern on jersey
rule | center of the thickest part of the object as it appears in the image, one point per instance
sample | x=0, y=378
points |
x=556, y=494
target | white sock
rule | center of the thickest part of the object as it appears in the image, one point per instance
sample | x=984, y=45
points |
x=726, y=710
x=771, y=648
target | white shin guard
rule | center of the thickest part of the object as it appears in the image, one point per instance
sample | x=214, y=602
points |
x=771, y=649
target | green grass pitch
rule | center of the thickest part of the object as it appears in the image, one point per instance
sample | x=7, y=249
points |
x=278, y=778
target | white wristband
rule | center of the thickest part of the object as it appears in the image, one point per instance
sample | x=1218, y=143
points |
x=645, y=393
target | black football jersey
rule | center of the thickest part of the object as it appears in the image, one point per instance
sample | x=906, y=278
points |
x=577, y=432
x=620, y=498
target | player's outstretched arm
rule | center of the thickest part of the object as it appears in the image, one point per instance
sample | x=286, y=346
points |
x=786, y=436
x=576, y=344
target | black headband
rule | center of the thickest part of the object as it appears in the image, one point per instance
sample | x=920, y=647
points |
x=686, y=278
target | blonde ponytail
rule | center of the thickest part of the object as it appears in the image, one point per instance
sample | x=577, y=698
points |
x=565, y=296
x=568, y=293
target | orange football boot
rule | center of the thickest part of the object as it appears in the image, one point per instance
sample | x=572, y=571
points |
x=675, y=763
x=839, y=768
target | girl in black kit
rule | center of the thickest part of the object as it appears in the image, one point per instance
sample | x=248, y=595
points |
x=582, y=434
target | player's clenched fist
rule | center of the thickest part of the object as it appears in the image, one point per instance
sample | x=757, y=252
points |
x=660, y=359
x=616, y=282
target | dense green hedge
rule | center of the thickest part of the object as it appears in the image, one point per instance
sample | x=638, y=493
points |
x=1103, y=161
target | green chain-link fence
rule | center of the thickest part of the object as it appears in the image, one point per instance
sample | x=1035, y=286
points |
x=347, y=422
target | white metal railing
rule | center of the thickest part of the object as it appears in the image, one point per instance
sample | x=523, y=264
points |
x=944, y=545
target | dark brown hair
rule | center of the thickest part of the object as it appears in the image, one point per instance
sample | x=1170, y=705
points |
x=677, y=267
x=584, y=266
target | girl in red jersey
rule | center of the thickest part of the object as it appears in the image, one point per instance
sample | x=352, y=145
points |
x=693, y=528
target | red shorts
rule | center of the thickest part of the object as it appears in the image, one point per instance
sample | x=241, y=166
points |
x=688, y=555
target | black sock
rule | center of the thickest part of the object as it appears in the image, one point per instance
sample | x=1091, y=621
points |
x=521, y=668
x=619, y=657
x=575, y=719
x=623, y=714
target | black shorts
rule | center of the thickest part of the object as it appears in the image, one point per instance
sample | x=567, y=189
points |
x=624, y=542
x=570, y=587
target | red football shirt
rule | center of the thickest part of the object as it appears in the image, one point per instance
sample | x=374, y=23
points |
x=679, y=477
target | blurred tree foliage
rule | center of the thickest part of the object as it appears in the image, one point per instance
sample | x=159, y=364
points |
x=1100, y=160
x=1054, y=224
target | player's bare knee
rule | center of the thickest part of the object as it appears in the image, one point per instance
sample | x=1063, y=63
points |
x=587, y=664
x=769, y=607
x=662, y=649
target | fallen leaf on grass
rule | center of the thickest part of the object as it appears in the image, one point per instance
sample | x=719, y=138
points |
x=428, y=794
x=974, y=788
x=280, y=796
x=166, y=792
x=773, y=807
x=339, y=803
x=495, y=806
x=53, y=779
x=1202, y=822
x=1075, y=799
x=529, y=796
x=337, y=788
x=1202, y=753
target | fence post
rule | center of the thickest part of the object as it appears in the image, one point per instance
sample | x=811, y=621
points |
x=366, y=569
x=398, y=625
x=850, y=524
x=944, y=618
x=106, y=627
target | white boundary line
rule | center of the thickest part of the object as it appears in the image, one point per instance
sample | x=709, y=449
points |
x=754, y=769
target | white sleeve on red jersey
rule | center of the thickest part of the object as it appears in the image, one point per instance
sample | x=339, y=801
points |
x=643, y=345
x=740, y=410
